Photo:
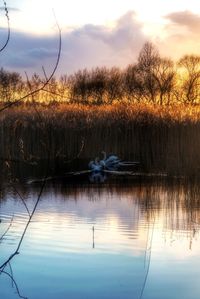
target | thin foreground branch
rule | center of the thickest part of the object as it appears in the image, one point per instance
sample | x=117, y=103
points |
x=25, y=229
x=8, y=27
x=16, y=101
x=3, y=235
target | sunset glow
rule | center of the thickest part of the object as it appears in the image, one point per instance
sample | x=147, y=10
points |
x=77, y=13
x=99, y=32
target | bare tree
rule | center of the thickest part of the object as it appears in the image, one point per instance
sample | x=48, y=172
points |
x=190, y=77
x=64, y=88
x=11, y=85
x=78, y=83
x=148, y=57
x=89, y=86
x=147, y=61
x=114, y=85
x=156, y=75
x=97, y=85
x=11, y=104
x=164, y=74
x=132, y=84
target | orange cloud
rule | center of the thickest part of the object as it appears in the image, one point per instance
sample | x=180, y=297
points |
x=181, y=35
x=185, y=19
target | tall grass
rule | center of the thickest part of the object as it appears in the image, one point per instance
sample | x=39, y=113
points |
x=161, y=138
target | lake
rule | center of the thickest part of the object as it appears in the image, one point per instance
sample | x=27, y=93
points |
x=121, y=239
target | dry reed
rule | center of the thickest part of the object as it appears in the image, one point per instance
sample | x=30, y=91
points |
x=162, y=138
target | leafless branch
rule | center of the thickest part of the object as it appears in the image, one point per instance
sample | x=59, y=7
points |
x=31, y=214
x=22, y=199
x=8, y=27
x=31, y=93
x=149, y=262
x=2, y=267
x=15, y=283
x=6, y=231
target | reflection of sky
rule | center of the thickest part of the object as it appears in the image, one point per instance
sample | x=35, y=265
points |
x=57, y=258
x=115, y=222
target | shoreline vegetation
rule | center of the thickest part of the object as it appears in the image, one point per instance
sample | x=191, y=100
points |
x=148, y=112
x=162, y=138
x=151, y=79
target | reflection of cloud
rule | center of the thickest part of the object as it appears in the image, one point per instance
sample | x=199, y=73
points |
x=9, y=8
x=87, y=46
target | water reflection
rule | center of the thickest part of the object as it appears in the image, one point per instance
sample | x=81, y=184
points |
x=136, y=240
x=97, y=177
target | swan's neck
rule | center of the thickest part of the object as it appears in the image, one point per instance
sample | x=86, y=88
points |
x=104, y=155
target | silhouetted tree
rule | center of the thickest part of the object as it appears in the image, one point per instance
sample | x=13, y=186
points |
x=114, y=85
x=78, y=83
x=164, y=74
x=97, y=85
x=10, y=85
x=190, y=74
x=132, y=83
x=147, y=61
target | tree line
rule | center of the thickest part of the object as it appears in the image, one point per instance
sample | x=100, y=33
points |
x=152, y=79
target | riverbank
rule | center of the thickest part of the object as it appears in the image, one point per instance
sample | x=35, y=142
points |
x=161, y=138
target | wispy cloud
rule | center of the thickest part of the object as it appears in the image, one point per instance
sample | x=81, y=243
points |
x=185, y=19
x=92, y=45
x=87, y=46
x=181, y=34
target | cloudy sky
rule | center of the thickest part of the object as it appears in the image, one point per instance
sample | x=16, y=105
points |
x=94, y=32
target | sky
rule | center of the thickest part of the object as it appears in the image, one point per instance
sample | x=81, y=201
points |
x=96, y=33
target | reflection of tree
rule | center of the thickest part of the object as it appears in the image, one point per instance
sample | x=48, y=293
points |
x=2, y=266
x=6, y=231
x=149, y=198
x=7, y=77
x=180, y=203
x=14, y=282
x=148, y=251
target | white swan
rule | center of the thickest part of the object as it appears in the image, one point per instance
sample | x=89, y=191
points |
x=95, y=165
x=112, y=162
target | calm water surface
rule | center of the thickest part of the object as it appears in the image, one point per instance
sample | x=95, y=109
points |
x=110, y=241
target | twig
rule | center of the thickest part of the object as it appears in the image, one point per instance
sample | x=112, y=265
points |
x=79, y=153
x=11, y=272
x=8, y=27
x=15, y=284
x=30, y=88
x=16, y=101
x=148, y=266
x=145, y=257
x=25, y=229
x=52, y=92
x=3, y=235
x=67, y=174
x=22, y=199
x=2, y=267
x=18, y=160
